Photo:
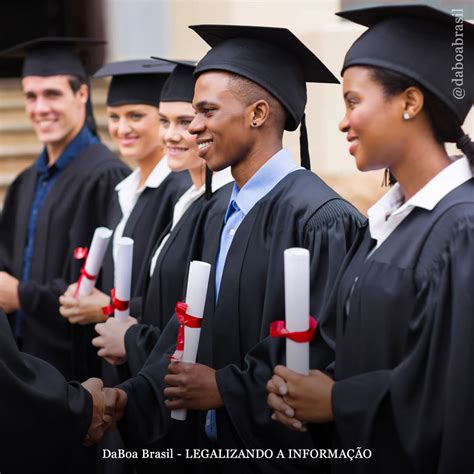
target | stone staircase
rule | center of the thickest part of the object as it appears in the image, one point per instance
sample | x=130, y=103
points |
x=19, y=146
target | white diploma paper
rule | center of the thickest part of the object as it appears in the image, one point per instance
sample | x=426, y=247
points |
x=297, y=307
x=196, y=291
x=123, y=274
x=94, y=259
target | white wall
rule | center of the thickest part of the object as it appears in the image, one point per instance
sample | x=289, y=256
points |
x=137, y=28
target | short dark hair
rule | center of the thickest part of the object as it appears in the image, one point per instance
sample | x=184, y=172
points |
x=76, y=82
x=249, y=92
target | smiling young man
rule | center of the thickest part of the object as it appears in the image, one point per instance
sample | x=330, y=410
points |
x=250, y=87
x=54, y=205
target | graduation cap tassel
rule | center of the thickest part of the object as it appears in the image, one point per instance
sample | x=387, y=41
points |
x=304, y=148
x=208, y=183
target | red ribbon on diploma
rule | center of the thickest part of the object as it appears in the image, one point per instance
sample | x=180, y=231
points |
x=278, y=329
x=116, y=304
x=187, y=320
x=79, y=254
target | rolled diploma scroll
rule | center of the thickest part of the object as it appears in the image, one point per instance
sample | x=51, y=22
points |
x=196, y=291
x=95, y=257
x=297, y=307
x=123, y=274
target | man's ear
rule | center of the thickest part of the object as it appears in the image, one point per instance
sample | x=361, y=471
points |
x=83, y=93
x=258, y=113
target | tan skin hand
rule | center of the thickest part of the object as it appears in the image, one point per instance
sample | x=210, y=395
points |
x=83, y=309
x=308, y=398
x=108, y=406
x=191, y=386
x=9, y=300
x=283, y=413
x=111, y=340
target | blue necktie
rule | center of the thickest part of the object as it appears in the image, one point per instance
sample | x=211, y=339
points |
x=233, y=219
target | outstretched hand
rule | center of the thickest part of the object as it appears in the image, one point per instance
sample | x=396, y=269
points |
x=108, y=406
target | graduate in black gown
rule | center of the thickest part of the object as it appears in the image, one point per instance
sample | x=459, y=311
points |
x=43, y=416
x=54, y=205
x=250, y=87
x=142, y=205
x=166, y=266
x=401, y=313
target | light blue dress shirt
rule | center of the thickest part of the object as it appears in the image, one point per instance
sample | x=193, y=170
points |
x=241, y=203
x=243, y=200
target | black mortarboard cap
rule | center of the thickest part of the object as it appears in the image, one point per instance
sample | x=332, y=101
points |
x=179, y=86
x=52, y=56
x=418, y=42
x=273, y=58
x=137, y=81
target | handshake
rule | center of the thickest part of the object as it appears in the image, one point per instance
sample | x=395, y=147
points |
x=108, y=406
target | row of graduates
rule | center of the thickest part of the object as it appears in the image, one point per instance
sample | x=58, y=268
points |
x=391, y=297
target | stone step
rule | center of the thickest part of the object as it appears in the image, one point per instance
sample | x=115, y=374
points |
x=17, y=122
x=12, y=94
x=31, y=148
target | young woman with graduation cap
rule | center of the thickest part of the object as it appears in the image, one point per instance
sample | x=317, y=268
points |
x=165, y=271
x=251, y=86
x=142, y=208
x=54, y=205
x=401, y=313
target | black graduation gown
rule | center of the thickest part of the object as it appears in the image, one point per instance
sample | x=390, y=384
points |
x=404, y=353
x=167, y=284
x=75, y=206
x=300, y=211
x=150, y=217
x=42, y=416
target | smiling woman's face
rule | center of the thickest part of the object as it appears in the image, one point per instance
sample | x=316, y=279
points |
x=135, y=129
x=181, y=146
x=373, y=121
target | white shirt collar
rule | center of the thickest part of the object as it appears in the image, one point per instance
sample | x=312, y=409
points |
x=221, y=178
x=389, y=211
x=457, y=173
x=157, y=176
